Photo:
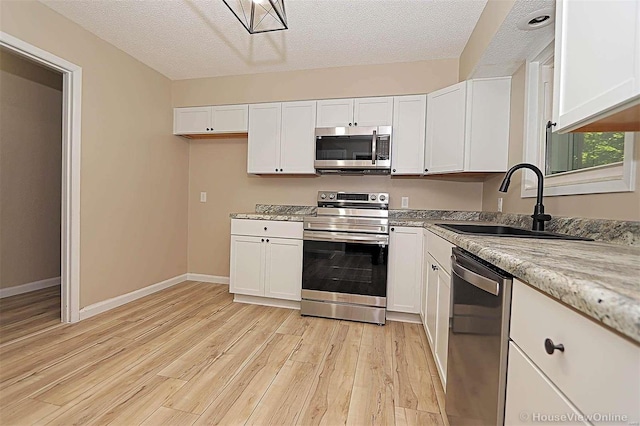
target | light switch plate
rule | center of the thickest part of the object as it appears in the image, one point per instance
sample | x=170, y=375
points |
x=405, y=202
x=203, y=197
x=500, y=204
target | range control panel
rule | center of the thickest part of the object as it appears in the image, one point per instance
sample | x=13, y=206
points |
x=352, y=198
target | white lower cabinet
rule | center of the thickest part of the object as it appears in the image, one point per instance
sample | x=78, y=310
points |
x=432, y=301
x=442, y=323
x=404, y=278
x=246, y=275
x=531, y=397
x=596, y=370
x=437, y=299
x=283, y=268
x=265, y=264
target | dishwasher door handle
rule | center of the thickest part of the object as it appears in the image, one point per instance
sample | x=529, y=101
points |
x=483, y=283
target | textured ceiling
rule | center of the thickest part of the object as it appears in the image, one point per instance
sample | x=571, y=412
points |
x=511, y=46
x=201, y=38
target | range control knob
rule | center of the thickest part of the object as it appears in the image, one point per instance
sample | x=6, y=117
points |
x=323, y=196
x=373, y=197
x=383, y=197
x=332, y=196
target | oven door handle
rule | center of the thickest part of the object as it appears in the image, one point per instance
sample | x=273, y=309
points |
x=483, y=283
x=341, y=237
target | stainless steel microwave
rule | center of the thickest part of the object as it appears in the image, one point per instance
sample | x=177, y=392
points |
x=353, y=150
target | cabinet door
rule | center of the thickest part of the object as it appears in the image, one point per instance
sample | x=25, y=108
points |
x=442, y=323
x=246, y=272
x=530, y=393
x=373, y=111
x=597, y=59
x=335, y=113
x=425, y=275
x=432, y=301
x=264, y=138
x=446, y=124
x=487, y=138
x=283, y=273
x=409, y=116
x=404, y=270
x=192, y=120
x=297, y=143
x=230, y=118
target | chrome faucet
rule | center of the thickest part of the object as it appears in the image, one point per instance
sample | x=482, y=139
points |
x=539, y=217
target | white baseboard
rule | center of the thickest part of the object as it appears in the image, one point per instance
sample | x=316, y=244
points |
x=28, y=287
x=266, y=301
x=404, y=317
x=208, y=278
x=105, y=305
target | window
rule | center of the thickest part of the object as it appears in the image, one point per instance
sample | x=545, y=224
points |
x=573, y=163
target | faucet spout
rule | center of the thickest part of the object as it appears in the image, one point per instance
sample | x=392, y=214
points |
x=539, y=217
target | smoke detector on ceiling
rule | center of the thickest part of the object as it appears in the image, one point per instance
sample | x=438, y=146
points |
x=537, y=19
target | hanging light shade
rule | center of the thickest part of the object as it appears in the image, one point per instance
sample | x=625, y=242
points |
x=259, y=16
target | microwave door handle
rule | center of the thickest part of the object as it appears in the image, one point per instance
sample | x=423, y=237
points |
x=373, y=148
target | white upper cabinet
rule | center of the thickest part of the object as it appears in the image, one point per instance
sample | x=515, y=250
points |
x=230, y=118
x=597, y=65
x=335, y=113
x=355, y=112
x=446, y=115
x=263, y=155
x=297, y=141
x=281, y=138
x=404, y=278
x=210, y=120
x=409, y=115
x=373, y=111
x=468, y=127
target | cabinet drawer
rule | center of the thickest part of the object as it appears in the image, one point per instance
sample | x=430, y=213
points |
x=440, y=249
x=264, y=228
x=598, y=370
x=531, y=395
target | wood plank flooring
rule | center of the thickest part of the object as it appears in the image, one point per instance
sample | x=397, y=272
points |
x=28, y=313
x=189, y=355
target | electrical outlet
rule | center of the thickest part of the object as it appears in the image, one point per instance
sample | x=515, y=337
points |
x=203, y=197
x=500, y=204
x=405, y=202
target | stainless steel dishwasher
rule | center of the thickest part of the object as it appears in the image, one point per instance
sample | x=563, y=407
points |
x=478, y=341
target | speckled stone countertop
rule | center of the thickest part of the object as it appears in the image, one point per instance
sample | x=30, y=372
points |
x=599, y=278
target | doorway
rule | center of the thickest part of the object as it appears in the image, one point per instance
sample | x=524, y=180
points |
x=69, y=212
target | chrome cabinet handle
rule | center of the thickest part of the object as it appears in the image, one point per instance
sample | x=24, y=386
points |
x=551, y=347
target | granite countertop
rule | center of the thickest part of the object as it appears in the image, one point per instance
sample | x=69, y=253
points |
x=601, y=279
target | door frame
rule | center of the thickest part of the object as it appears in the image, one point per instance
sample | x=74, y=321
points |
x=71, y=143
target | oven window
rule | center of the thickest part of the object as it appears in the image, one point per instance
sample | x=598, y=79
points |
x=343, y=148
x=345, y=268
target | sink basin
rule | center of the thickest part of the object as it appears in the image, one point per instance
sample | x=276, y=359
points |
x=507, y=231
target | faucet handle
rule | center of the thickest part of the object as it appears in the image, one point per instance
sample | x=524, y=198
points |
x=541, y=216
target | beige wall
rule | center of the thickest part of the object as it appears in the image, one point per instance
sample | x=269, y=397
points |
x=133, y=222
x=218, y=167
x=30, y=171
x=326, y=83
x=623, y=206
x=491, y=19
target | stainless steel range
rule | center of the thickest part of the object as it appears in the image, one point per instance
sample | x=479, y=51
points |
x=346, y=246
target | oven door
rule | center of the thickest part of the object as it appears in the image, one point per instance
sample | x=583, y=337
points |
x=345, y=267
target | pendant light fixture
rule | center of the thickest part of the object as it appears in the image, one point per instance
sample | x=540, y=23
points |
x=259, y=16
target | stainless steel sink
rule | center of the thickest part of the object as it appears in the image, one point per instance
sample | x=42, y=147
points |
x=507, y=231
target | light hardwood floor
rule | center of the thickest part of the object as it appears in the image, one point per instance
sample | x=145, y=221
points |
x=189, y=355
x=27, y=313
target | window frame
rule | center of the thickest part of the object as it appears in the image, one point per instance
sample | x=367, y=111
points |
x=615, y=177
